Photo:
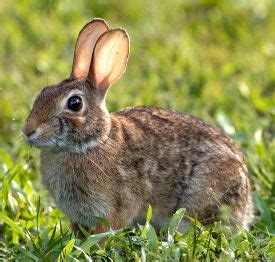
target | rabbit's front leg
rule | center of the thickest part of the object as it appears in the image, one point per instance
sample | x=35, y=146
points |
x=117, y=221
x=77, y=231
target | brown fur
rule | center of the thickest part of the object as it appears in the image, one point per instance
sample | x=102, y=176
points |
x=114, y=165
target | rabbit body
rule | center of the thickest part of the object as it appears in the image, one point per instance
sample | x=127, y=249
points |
x=114, y=165
x=151, y=156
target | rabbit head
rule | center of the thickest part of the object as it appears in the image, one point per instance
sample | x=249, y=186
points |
x=72, y=114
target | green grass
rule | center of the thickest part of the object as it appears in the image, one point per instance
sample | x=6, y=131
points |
x=213, y=59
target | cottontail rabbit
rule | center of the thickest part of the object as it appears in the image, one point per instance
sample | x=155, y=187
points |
x=113, y=165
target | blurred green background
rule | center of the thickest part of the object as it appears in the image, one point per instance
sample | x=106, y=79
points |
x=212, y=59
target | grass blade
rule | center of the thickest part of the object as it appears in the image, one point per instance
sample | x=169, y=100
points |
x=66, y=250
x=12, y=224
x=175, y=221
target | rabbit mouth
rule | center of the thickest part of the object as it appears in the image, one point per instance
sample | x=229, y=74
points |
x=37, y=139
x=41, y=143
x=41, y=139
x=59, y=145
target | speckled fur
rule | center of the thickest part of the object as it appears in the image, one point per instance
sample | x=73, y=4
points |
x=115, y=164
x=146, y=155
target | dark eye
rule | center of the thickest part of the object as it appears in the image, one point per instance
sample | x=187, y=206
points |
x=75, y=103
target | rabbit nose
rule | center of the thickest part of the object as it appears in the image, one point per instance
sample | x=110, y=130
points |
x=28, y=132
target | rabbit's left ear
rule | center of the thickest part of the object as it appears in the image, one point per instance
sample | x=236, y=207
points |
x=110, y=58
x=84, y=46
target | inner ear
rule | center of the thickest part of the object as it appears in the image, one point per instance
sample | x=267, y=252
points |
x=110, y=58
x=84, y=46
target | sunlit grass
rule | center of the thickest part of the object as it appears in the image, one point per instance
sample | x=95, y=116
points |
x=213, y=59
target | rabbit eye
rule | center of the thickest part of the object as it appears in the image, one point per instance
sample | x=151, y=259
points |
x=75, y=103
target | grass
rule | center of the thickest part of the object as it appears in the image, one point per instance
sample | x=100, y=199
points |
x=213, y=59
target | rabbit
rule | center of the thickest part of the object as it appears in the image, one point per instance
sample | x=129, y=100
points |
x=113, y=165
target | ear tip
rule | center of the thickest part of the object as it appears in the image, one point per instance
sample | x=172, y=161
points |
x=124, y=32
x=98, y=21
x=120, y=31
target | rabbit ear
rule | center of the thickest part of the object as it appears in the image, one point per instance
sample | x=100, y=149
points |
x=85, y=45
x=109, y=58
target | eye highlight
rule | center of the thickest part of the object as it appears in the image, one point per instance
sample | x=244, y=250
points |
x=75, y=103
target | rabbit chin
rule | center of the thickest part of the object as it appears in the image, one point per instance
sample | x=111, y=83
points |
x=82, y=148
x=57, y=145
x=77, y=147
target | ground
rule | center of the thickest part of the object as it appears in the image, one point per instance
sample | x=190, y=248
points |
x=212, y=59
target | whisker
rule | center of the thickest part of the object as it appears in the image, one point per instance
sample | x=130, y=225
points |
x=89, y=159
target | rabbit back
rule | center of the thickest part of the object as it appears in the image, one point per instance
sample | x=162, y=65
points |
x=186, y=163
